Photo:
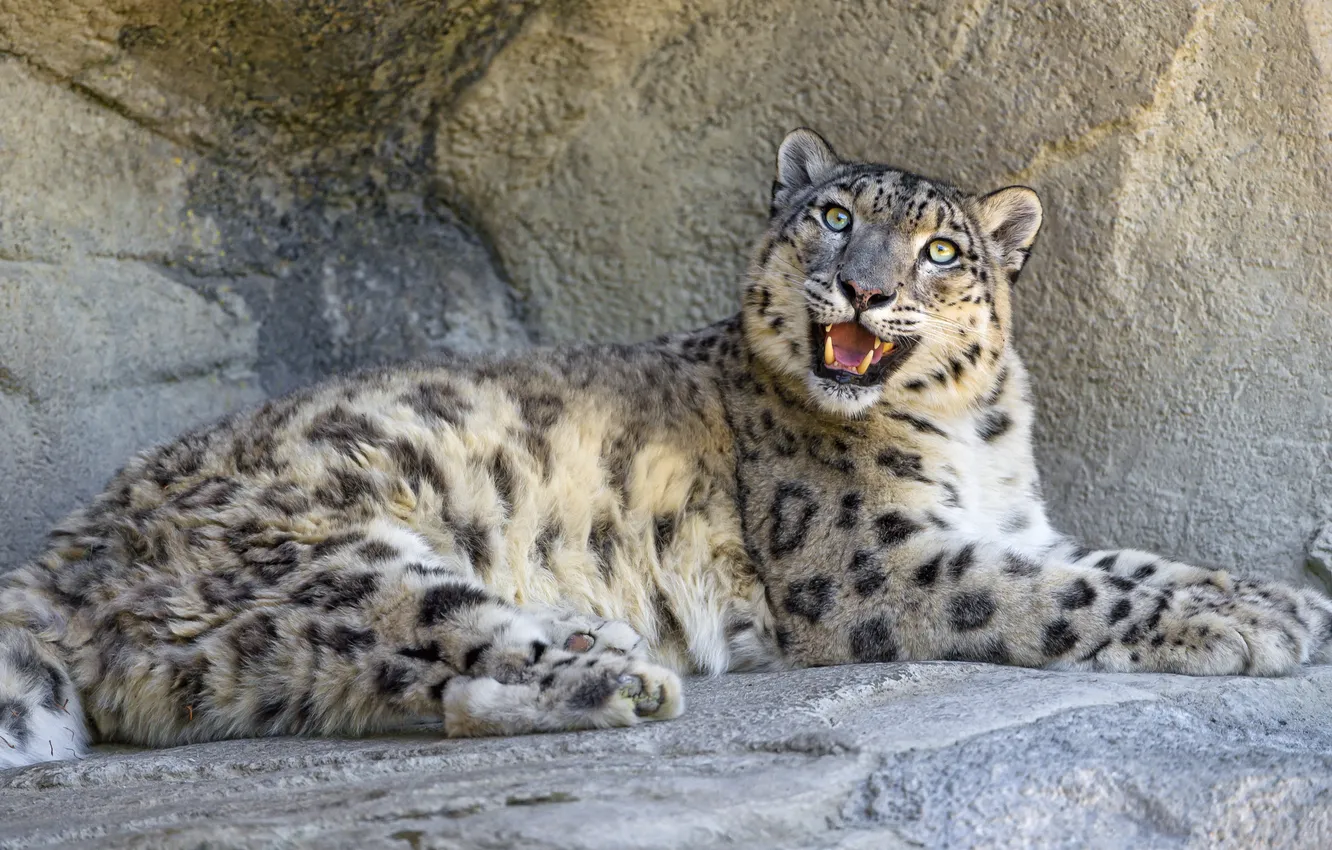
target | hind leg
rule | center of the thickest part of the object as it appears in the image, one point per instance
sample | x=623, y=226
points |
x=363, y=634
x=512, y=670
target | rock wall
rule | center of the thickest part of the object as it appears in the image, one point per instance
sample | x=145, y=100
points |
x=1175, y=313
x=202, y=203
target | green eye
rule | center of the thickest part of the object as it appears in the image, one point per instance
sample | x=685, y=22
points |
x=836, y=218
x=941, y=252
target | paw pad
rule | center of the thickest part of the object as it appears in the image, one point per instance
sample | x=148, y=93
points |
x=579, y=642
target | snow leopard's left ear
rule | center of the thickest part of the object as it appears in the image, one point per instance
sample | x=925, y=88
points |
x=803, y=160
x=1011, y=218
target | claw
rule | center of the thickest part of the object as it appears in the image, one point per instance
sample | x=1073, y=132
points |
x=647, y=706
x=634, y=688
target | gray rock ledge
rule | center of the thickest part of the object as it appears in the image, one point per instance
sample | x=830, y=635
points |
x=879, y=756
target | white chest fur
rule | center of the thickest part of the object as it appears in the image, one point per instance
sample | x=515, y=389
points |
x=995, y=488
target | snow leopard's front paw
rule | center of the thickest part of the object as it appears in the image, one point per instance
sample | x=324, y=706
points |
x=1258, y=629
x=1293, y=625
x=1318, y=614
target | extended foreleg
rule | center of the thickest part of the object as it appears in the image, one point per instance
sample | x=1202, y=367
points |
x=1120, y=611
x=934, y=596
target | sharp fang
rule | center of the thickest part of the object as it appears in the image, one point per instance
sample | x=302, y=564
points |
x=827, y=329
x=865, y=364
x=887, y=346
x=828, y=355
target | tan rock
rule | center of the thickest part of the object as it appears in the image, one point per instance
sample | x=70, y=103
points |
x=1175, y=313
x=77, y=178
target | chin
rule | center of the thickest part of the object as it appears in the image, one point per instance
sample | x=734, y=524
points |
x=848, y=400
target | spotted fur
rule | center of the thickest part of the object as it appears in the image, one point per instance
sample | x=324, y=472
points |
x=544, y=542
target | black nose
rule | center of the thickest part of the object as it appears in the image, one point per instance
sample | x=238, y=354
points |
x=862, y=298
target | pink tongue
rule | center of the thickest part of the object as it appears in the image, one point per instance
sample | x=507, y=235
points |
x=850, y=344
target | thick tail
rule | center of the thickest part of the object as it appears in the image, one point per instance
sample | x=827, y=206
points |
x=40, y=716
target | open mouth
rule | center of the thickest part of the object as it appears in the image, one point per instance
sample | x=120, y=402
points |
x=849, y=354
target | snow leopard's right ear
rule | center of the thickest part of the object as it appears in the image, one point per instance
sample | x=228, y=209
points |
x=803, y=160
x=1011, y=217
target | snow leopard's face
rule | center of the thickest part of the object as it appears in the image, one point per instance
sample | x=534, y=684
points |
x=873, y=280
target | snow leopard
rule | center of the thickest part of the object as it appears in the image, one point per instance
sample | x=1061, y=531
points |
x=842, y=472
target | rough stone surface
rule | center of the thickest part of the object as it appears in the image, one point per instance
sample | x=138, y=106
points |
x=203, y=204
x=619, y=153
x=882, y=756
x=101, y=354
